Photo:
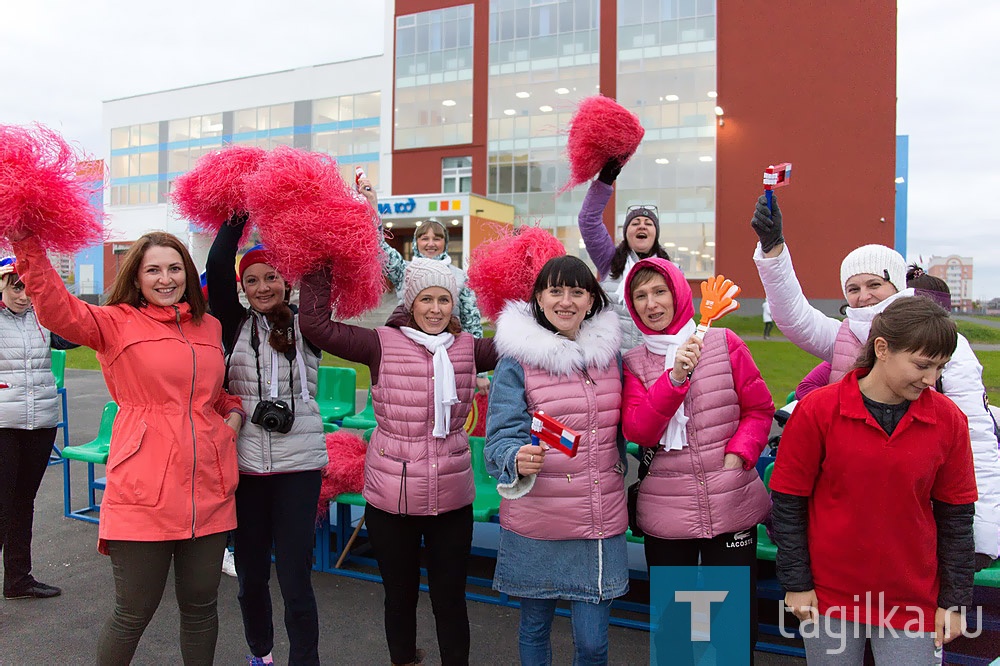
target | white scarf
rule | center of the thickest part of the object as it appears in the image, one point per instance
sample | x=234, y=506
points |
x=675, y=436
x=631, y=260
x=445, y=392
x=860, y=319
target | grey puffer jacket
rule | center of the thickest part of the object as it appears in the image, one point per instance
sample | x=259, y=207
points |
x=301, y=449
x=28, y=398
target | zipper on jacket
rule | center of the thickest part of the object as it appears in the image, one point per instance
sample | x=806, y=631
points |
x=194, y=437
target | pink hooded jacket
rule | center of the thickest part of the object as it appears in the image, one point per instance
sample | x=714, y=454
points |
x=688, y=494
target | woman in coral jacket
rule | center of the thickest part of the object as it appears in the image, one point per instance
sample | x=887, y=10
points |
x=563, y=519
x=418, y=469
x=171, y=470
x=705, y=409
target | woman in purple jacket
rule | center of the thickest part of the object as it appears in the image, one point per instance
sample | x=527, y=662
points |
x=641, y=239
x=418, y=468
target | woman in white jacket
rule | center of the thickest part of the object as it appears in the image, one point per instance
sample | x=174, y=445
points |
x=871, y=277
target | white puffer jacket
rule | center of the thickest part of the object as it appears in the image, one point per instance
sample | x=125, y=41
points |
x=29, y=401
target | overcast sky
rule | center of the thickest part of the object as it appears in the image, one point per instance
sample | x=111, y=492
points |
x=59, y=59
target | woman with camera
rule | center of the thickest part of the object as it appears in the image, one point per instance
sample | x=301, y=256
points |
x=418, y=471
x=281, y=450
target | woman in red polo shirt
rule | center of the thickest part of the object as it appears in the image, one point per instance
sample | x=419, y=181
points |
x=873, y=494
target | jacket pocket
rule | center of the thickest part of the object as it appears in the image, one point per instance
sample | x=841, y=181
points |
x=227, y=468
x=137, y=467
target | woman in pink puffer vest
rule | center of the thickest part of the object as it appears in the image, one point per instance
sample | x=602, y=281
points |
x=704, y=408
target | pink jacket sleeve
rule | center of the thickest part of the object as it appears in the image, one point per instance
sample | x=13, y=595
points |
x=645, y=414
x=225, y=403
x=756, y=405
x=57, y=309
x=818, y=377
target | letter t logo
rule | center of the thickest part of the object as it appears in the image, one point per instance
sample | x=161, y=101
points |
x=701, y=605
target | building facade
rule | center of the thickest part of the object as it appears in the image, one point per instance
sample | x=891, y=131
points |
x=475, y=97
x=957, y=272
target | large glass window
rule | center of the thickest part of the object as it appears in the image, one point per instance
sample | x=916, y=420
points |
x=433, y=100
x=456, y=174
x=544, y=59
x=347, y=128
x=667, y=76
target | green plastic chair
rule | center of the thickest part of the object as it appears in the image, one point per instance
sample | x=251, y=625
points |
x=59, y=367
x=487, y=501
x=363, y=420
x=95, y=452
x=335, y=392
x=989, y=577
x=330, y=427
x=766, y=550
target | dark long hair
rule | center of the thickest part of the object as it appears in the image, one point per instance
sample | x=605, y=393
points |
x=566, y=271
x=621, y=257
x=126, y=285
x=911, y=325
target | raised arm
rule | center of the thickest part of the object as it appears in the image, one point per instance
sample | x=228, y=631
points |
x=468, y=313
x=57, y=309
x=223, y=297
x=353, y=343
x=600, y=245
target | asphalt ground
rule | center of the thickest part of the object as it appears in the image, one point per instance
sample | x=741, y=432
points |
x=64, y=630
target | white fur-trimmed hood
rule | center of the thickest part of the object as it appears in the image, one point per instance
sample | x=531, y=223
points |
x=523, y=339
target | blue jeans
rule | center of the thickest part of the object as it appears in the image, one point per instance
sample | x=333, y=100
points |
x=590, y=631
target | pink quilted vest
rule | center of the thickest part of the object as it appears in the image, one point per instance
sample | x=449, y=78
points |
x=408, y=470
x=687, y=494
x=581, y=497
x=846, y=348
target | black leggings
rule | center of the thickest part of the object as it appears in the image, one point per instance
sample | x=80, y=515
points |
x=724, y=550
x=448, y=541
x=140, y=570
x=24, y=457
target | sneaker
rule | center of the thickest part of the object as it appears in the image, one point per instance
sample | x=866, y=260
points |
x=228, y=563
x=34, y=591
x=260, y=661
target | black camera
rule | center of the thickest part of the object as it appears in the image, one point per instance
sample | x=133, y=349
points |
x=274, y=416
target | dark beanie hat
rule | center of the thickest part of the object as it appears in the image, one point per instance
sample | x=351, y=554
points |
x=642, y=212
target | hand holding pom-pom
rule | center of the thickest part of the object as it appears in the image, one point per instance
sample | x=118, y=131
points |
x=602, y=130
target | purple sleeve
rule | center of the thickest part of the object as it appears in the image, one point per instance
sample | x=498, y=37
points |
x=600, y=245
x=756, y=405
x=818, y=377
x=352, y=343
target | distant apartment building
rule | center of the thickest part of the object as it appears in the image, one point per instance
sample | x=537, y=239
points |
x=957, y=272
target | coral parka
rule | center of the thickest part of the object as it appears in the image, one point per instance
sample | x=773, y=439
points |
x=171, y=470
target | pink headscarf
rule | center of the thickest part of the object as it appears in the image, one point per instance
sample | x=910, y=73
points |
x=679, y=288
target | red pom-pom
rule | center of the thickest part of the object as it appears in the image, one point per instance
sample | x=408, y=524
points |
x=505, y=268
x=309, y=217
x=345, y=472
x=41, y=194
x=212, y=192
x=600, y=130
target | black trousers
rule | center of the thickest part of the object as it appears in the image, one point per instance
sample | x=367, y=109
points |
x=278, y=510
x=448, y=542
x=24, y=456
x=724, y=550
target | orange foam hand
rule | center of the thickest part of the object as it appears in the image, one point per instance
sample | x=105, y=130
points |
x=717, y=299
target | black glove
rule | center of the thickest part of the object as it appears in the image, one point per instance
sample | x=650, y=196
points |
x=767, y=223
x=239, y=219
x=983, y=561
x=611, y=169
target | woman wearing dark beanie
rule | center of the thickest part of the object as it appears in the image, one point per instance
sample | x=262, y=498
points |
x=281, y=448
x=641, y=239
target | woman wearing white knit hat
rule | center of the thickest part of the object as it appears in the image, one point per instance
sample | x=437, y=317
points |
x=872, y=277
x=418, y=468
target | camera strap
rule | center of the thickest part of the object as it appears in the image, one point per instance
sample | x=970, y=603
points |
x=291, y=355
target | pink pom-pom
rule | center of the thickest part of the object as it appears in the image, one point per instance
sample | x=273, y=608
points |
x=211, y=192
x=309, y=217
x=345, y=471
x=41, y=193
x=600, y=130
x=504, y=268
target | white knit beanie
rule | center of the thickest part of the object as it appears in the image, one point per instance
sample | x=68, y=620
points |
x=423, y=273
x=877, y=260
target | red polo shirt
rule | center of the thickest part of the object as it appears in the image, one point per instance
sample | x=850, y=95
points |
x=871, y=524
